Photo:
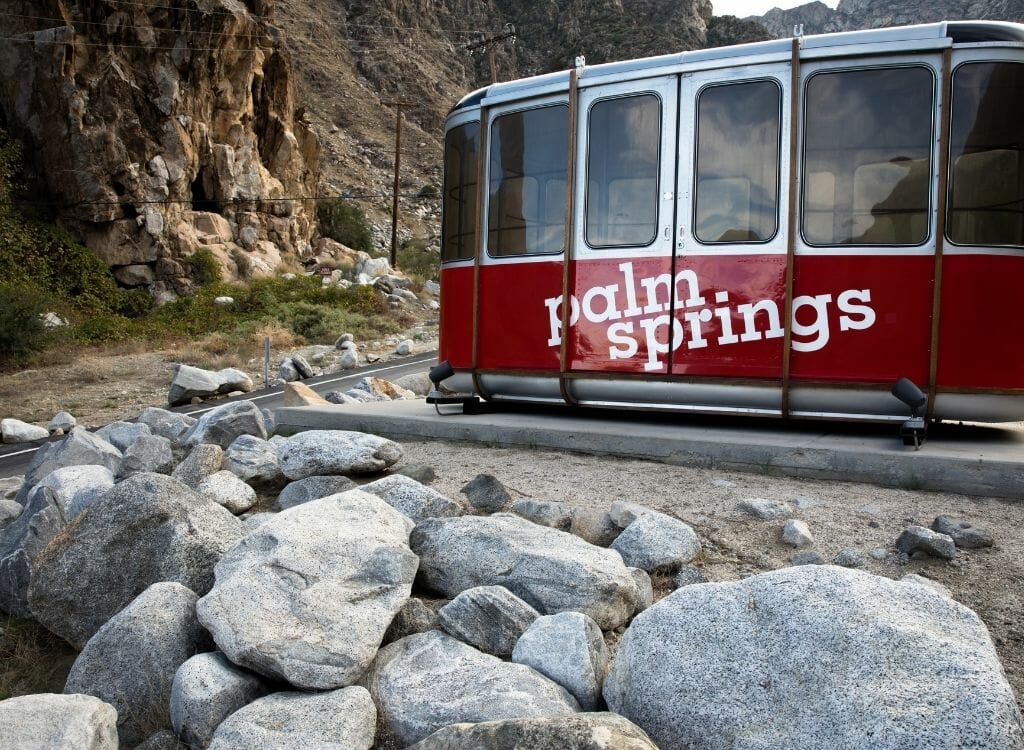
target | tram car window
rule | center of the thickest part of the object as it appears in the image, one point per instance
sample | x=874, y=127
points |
x=622, y=171
x=460, y=193
x=868, y=150
x=986, y=204
x=526, y=209
x=738, y=145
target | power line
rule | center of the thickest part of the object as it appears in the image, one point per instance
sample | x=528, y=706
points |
x=151, y=6
x=220, y=202
x=489, y=45
x=190, y=48
x=154, y=6
x=382, y=27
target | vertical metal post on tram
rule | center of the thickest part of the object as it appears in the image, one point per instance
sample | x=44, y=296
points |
x=945, y=116
x=791, y=228
x=570, y=228
x=481, y=229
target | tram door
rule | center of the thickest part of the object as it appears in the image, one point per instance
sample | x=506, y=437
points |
x=624, y=227
x=865, y=248
x=730, y=237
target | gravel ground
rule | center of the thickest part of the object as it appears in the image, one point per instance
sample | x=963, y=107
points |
x=736, y=545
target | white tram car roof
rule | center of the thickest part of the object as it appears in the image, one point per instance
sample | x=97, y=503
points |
x=917, y=38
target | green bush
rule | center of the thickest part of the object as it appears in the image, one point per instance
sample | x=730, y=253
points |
x=417, y=260
x=22, y=332
x=322, y=324
x=343, y=221
x=35, y=251
x=430, y=190
x=100, y=329
x=203, y=268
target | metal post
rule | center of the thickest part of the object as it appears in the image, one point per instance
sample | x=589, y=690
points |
x=266, y=361
x=394, y=204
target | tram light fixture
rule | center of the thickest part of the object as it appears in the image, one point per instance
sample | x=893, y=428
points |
x=910, y=394
x=439, y=372
x=914, y=430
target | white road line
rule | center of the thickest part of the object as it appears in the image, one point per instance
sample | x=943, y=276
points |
x=264, y=395
x=362, y=373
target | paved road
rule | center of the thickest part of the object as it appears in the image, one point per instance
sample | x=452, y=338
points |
x=14, y=459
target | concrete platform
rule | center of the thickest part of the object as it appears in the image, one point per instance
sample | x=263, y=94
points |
x=969, y=459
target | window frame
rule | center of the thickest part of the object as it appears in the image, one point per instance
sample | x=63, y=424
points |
x=658, y=165
x=778, y=161
x=949, y=151
x=444, y=194
x=486, y=223
x=932, y=153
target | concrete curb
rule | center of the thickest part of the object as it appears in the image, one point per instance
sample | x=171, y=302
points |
x=968, y=459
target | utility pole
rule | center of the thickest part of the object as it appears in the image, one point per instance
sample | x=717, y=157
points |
x=489, y=45
x=398, y=164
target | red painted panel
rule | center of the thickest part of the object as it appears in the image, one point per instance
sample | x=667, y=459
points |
x=516, y=323
x=456, y=336
x=979, y=343
x=623, y=316
x=858, y=318
x=869, y=321
x=607, y=307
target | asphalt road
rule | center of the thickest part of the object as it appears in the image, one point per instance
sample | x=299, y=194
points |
x=14, y=459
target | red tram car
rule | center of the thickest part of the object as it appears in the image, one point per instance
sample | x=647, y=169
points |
x=784, y=228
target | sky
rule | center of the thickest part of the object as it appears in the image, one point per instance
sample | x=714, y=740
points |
x=743, y=8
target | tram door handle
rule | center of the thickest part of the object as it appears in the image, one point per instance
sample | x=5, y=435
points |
x=681, y=236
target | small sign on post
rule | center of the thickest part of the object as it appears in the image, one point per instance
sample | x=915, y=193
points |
x=326, y=272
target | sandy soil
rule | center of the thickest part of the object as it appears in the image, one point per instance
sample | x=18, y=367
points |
x=737, y=545
x=100, y=387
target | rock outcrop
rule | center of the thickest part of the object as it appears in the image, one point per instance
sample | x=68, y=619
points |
x=550, y=570
x=813, y=656
x=430, y=680
x=206, y=690
x=849, y=15
x=163, y=129
x=131, y=661
x=308, y=595
x=338, y=719
x=147, y=529
x=57, y=722
x=598, y=731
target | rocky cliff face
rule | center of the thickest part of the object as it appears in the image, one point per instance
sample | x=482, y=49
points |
x=163, y=129
x=355, y=59
x=818, y=18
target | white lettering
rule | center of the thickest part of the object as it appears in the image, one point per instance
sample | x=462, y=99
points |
x=632, y=309
x=695, y=318
x=749, y=312
x=845, y=302
x=656, y=348
x=617, y=335
x=554, y=305
x=818, y=328
x=760, y=318
x=650, y=286
x=607, y=293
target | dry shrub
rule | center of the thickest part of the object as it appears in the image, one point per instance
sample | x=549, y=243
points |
x=32, y=660
x=280, y=337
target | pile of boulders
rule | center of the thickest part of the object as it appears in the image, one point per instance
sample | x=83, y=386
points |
x=16, y=431
x=252, y=590
x=371, y=389
x=194, y=384
x=357, y=268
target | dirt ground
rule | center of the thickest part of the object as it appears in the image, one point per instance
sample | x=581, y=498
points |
x=737, y=545
x=102, y=386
